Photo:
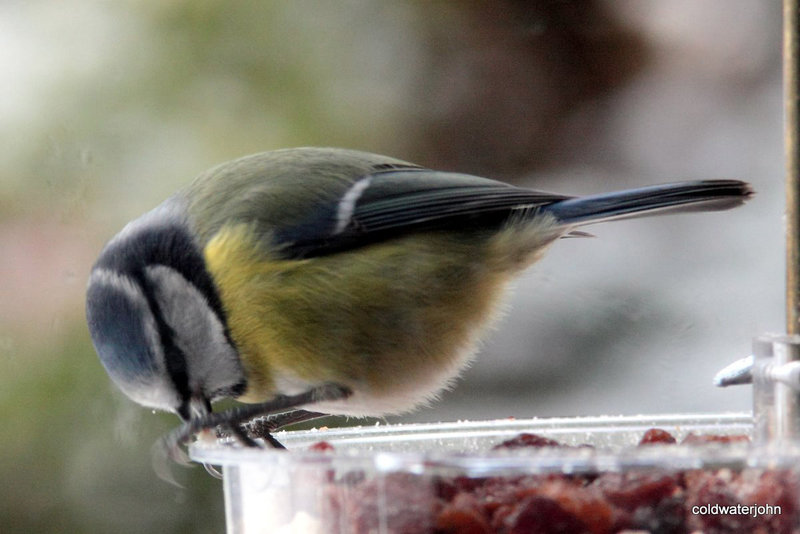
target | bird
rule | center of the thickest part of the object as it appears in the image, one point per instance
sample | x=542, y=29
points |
x=311, y=281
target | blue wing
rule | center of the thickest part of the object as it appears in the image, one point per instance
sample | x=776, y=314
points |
x=395, y=202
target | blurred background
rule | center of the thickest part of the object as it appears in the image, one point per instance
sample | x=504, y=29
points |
x=108, y=107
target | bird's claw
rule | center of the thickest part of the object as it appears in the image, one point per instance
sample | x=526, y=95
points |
x=235, y=422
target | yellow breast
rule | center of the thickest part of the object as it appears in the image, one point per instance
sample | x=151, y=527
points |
x=395, y=319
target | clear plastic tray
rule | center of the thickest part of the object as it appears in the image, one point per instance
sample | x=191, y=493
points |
x=398, y=478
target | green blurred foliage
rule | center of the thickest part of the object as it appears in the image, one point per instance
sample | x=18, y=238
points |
x=79, y=457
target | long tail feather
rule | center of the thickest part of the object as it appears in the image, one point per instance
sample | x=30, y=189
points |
x=704, y=195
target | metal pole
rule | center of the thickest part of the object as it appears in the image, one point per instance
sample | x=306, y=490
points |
x=791, y=82
x=774, y=368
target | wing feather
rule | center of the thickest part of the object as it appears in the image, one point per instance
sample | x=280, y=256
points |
x=397, y=202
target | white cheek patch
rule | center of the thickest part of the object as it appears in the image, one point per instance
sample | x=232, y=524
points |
x=212, y=363
x=154, y=389
x=120, y=283
x=347, y=206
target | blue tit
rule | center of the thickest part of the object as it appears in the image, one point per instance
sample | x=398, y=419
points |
x=342, y=281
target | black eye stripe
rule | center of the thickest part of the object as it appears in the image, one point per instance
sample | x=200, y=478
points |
x=174, y=358
x=170, y=245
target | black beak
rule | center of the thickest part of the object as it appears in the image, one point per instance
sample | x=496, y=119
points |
x=193, y=408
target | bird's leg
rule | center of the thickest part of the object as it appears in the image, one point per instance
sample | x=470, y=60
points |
x=263, y=427
x=235, y=417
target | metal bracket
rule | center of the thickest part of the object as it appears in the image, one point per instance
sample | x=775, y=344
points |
x=774, y=372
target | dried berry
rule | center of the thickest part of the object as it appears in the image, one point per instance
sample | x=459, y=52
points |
x=702, y=439
x=657, y=435
x=652, y=500
x=527, y=440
